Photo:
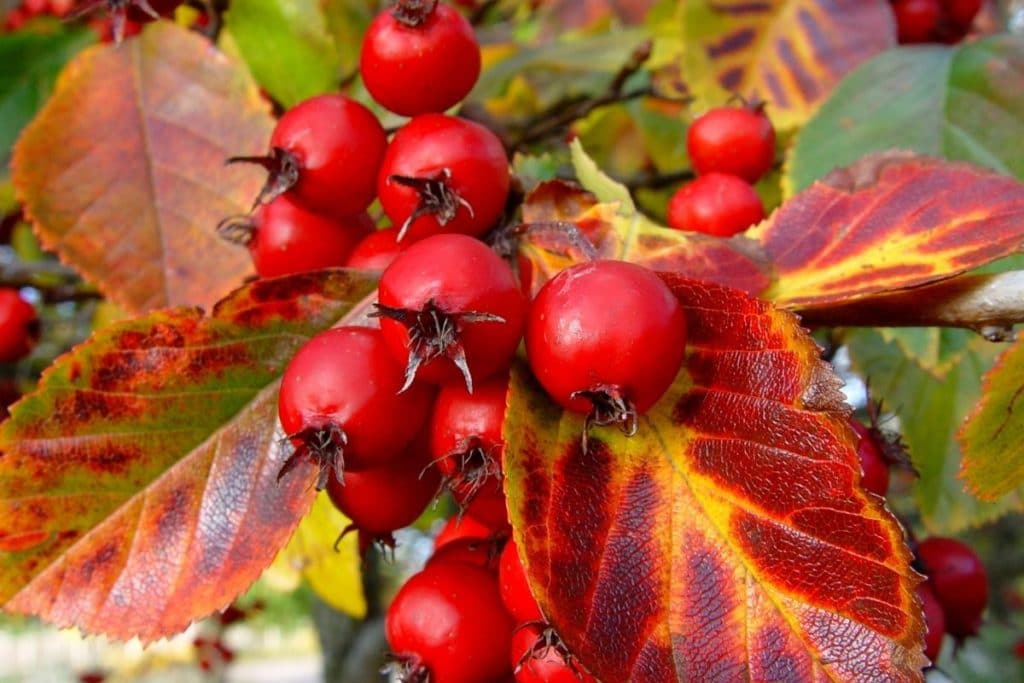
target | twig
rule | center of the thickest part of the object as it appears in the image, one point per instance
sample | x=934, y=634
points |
x=53, y=280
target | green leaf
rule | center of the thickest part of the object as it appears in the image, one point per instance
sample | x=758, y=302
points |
x=347, y=21
x=594, y=179
x=935, y=349
x=964, y=103
x=287, y=45
x=29, y=64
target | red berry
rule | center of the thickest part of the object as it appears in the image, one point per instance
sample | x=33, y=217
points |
x=934, y=621
x=539, y=656
x=606, y=337
x=959, y=580
x=326, y=152
x=461, y=527
x=916, y=20
x=479, y=552
x=449, y=305
x=418, y=58
x=715, y=204
x=19, y=326
x=961, y=12
x=143, y=11
x=738, y=141
x=515, y=588
x=339, y=399
x=388, y=497
x=873, y=467
x=377, y=250
x=443, y=174
x=287, y=239
x=488, y=505
x=448, y=623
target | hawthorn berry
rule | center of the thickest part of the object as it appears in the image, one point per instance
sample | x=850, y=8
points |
x=123, y=12
x=443, y=174
x=487, y=505
x=377, y=250
x=284, y=238
x=515, y=587
x=715, y=204
x=959, y=581
x=738, y=141
x=325, y=152
x=19, y=326
x=420, y=56
x=538, y=655
x=479, y=552
x=934, y=621
x=873, y=467
x=606, y=338
x=961, y=13
x=338, y=401
x=447, y=625
x=917, y=21
x=461, y=527
x=390, y=496
x=450, y=306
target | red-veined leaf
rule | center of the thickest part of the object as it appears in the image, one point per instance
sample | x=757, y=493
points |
x=729, y=539
x=138, y=484
x=123, y=174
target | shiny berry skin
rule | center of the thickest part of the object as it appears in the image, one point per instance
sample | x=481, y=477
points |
x=873, y=467
x=959, y=581
x=934, y=620
x=715, y=204
x=289, y=239
x=916, y=20
x=961, y=12
x=461, y=527
x=419, y=62
x=607, y=327
x=448, y=621
x=539, y=656
x=451, y=310
x=453, y=171
x=515, y=589
x=738, y=141
x=377, y=250
x=19, y=326
x=479, y=552
x=487, y=505
x=391, y=496
x=339, y=398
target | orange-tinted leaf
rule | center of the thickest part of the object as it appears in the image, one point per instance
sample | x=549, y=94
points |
x=123, y=173
x=138, y=484
x=729, y=539
x=891, y=221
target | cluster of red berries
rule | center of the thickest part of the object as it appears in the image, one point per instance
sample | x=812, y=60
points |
x=123, y=17
x=955, y=593
x=934, y=21
x=30, y=9
x=730, y=148
x=19, y=326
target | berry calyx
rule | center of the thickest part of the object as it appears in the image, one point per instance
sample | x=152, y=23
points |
x=959, y=581
x=19, y=326
x=715, y=204
x=339, y=396
x=539, y=656
x=515, y=587
x=737, y=141
x=934, y=621
x=451, y=310
x=873, y=466
x=606, y=338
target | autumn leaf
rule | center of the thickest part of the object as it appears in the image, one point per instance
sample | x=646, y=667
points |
x=123, y=174
x=140, y=481
x=891, y=221
x=728, y=539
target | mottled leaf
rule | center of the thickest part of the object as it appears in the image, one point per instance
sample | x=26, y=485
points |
x=139, y=482
x=993, y=436
x=964, y=103
x=729, y=539
x=123, y=173
x=891, y=221
x=790, y=53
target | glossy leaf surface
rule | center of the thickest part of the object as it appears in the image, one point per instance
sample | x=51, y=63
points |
x=139, y=482
x=729, y=539
x=123, y=173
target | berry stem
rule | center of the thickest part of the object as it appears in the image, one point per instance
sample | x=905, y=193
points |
x=413, y=13
x=283, y=169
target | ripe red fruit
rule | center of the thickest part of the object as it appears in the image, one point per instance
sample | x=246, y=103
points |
x=479, y=552
x=125, y=12
x=443, y=174
x=961, y=12
x=916, y=20
x=959, y=580
x=461, y=527
x=285, y=238
x=388, y=497
x=873, y=467
x=325, y=151
x=419, y=57
x=539, y=656
x=934, y=620
x=377, y=250
x=738, y=141
x=715, y=204
x=338, y=402
x=450, y=305
x=608, y=338
x=448, y=623
x=515, y=588
x=19, y=326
